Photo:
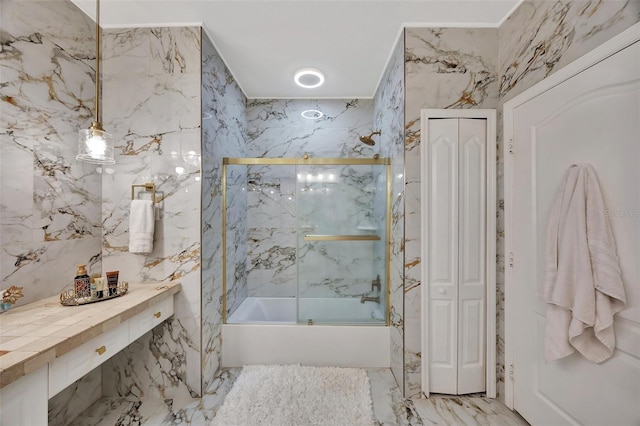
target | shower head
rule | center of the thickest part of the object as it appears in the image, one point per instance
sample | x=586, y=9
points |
x=368, y=139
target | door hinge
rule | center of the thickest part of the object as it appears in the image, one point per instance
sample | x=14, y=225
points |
x=511, y=146
x=511, y=259
x=511, y=372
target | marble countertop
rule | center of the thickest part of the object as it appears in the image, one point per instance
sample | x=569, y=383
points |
x=34, y=334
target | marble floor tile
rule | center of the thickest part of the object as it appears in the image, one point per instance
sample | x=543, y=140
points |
x=465, y=410
x=156, y=412
x=389, y=407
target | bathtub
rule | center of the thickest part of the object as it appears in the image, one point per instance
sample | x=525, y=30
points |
x=282, y=310
x=265, y=331
x=265, y=310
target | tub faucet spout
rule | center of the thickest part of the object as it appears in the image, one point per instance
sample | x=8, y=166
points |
x=366, y=298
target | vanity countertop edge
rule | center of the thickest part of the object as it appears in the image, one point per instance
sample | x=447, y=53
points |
x=35, y=334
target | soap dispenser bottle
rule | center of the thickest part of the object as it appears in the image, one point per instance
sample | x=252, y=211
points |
x=82, y=282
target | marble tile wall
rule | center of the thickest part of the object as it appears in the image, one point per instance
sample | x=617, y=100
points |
x=341, y=203
x=223, y=135
x=272, y=226
x=378, y=218
x=277, y=129
x=388, y=116
x=322, y=200
x=50, y=204
x=541, y=37
x=538, y=39
x=77, y=397
x=151, y=86
x=444, y=68
x=50, y=217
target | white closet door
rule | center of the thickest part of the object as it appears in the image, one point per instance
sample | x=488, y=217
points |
x=472, y=140
x=456, y=260
x=443, y=255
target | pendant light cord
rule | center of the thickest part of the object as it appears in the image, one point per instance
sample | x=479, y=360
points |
x=97, y=101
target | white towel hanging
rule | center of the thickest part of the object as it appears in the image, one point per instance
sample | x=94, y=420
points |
x=141, y=226
x=583, y=284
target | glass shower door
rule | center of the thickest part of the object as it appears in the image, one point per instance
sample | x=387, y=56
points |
x=341, y=243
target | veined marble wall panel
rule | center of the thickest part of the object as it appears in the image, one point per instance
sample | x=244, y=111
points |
x=538, y=39
x=276, y=128
x=389, y=111
x=337, y=269
x=379, y=219
x=341, y=203
x=154, y=113
x=50, y=213
x=223, y=135
x=445, y=68
x=74, y=399
x=272, y=229
x=336, y=203
x=236, y=231
x=541, y=37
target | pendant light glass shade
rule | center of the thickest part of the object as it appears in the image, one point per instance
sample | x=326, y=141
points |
x=94, y=144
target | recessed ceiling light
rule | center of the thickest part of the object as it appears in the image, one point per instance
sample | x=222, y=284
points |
x=312, y=114
x=309, y=78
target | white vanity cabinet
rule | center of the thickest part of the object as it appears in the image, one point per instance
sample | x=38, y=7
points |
x=32, y=373
x=70, y=367
x=24, y=402
x=150, y=318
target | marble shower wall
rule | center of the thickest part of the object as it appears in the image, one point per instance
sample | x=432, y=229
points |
x=272, y=225
x=340, y=200
x=444, y=68
x=223, y=135
x=538, y=39
x=50, y=217
x=388, y=116
x=276, y=129
x=151, y=86
x=313, y=200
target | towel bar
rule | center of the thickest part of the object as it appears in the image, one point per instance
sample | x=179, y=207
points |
x=149, y=186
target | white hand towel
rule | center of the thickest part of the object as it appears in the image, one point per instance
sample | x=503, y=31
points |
x=583, y=284
x=141, y=226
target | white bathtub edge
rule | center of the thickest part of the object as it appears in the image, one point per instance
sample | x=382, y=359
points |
x=340, y=346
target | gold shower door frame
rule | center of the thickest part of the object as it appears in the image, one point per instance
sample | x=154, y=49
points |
x=307, y=161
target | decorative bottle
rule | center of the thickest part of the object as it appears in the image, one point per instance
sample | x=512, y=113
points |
x=82, y=282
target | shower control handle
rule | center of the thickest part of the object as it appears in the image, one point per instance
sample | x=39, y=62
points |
x=376, y=284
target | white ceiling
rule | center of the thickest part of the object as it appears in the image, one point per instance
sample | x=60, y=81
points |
x=263, y=42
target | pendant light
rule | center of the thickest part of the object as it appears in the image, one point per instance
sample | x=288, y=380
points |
x=94, y=144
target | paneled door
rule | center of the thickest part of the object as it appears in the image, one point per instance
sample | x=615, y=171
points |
x=589, y=114
x=455, y=237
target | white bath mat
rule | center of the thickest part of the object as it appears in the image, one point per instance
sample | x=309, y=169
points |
x=293, y=395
